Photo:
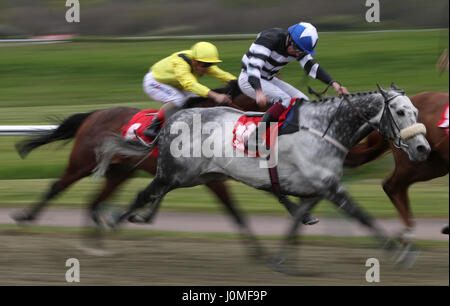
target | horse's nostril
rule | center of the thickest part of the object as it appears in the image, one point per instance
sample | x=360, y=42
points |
x=421, y=149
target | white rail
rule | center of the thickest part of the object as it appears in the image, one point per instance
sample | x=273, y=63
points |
x=24, y=130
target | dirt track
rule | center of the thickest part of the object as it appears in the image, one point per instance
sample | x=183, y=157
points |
x=39, y=259
x=36, y=258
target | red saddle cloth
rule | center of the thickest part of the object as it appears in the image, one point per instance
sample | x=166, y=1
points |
x=139, y=123
x=246, y=125
x=443, y=123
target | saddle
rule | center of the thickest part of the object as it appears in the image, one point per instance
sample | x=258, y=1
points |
x=247, y=123
x=137, y=125
x=287, y=124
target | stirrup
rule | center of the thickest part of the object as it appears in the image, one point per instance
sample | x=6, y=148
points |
x=142, y=141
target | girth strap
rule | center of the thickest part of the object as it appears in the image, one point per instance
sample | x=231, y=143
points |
x=273, y=173
x=276, y=188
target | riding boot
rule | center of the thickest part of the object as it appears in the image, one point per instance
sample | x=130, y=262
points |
x=153, y=129
x=255, y=140
x=163, y=114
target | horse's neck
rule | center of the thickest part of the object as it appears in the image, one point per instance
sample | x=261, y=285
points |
x=347, y=126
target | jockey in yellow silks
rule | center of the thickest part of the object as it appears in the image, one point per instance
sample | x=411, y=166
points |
x=174, y=79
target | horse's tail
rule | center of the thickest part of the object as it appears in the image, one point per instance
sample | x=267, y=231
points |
x=66, y=130
x=365, y=152
x=116, y=145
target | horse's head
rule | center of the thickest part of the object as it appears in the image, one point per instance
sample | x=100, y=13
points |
x=398, y=123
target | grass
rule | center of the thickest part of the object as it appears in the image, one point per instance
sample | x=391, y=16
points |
x=87, y=73
x=428, y=199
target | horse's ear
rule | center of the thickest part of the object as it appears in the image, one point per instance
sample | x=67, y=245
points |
x=394, y=87
x=382, y=90
x=397, y=89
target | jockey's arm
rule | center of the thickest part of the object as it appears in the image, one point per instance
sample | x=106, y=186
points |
x=187, y=80
x=314, y=70
x=220, y=74
x=339, y=89
x=219, y=98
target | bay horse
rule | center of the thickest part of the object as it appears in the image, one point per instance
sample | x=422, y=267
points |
x=89, y=129
x=430, y=106
x=310, y=166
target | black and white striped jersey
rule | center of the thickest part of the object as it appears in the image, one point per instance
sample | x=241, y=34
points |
x=268, y=54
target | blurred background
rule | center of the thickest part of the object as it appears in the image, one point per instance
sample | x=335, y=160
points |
x=102, y=63
x=174, y=17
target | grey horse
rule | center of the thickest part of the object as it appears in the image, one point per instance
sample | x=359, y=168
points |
x=310, y=161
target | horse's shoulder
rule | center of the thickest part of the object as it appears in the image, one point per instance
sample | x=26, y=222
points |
x=429, y=101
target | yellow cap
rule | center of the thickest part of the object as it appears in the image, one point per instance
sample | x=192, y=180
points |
x=205, y=52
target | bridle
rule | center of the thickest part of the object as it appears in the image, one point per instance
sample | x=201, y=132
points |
x=394, y=133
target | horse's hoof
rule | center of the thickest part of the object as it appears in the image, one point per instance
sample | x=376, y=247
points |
x=445, y=230
x=113, y=220
x=406, y=257
x=390, y=245
x=256, y=253
x=136, y=219
x=275, y=261
x=310, y=220
x=22, y=216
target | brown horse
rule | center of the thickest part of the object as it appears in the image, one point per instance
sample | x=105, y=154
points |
x=89, y=129
x=430, y=106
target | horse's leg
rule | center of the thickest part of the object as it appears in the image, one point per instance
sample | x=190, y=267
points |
x=288, y=245
x=72, y=174
x=340, y=198
x=115, y=176
x=405, y=174
x=396, y=189
x=220, y=189
x=291, y=207
x=152, y=193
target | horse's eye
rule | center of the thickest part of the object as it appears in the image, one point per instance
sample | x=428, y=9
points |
x=400, y=113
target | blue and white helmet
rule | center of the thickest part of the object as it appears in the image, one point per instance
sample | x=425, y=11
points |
x=305, y=36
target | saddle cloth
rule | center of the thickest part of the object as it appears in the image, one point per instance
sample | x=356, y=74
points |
x=139, y=122
x=247, y=124
x=443, y=123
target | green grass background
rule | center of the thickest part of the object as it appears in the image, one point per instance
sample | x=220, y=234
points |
x=44, y=80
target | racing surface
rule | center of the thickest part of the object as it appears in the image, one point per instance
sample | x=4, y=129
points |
x=37, y=255
x=35, y=258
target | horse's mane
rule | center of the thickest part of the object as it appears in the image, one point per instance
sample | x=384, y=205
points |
x=364, y=93
x=331, y=99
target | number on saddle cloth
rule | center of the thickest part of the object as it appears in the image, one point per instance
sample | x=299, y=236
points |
x=287, y=124
x=137, y=125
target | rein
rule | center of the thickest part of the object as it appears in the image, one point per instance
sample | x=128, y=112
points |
x=393, y=127
x=392, y=124
x=231, y=104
